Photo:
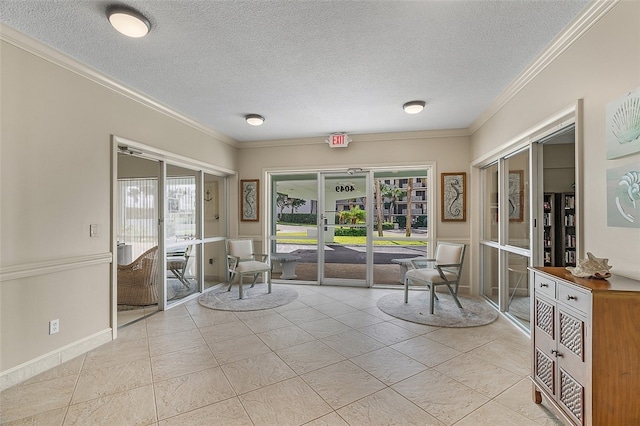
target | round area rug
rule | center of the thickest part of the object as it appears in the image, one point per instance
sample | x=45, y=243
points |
x=255, y=298
x=475, y=310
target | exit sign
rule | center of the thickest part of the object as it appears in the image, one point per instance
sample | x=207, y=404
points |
x=338, y=140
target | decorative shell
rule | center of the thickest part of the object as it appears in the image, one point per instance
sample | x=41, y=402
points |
x=591, y=267
x=625, y=123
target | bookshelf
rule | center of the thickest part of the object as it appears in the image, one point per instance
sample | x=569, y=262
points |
x=559, y=232
x=568, y=229
x=549, y=220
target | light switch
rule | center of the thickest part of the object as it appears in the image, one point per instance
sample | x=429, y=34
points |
x=93, y=230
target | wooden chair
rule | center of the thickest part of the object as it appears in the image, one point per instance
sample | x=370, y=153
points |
x=445, y=269
x=242, y=260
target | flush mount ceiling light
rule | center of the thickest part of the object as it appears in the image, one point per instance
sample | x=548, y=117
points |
x=128, y=21
x=413, y=107
x=254, y=119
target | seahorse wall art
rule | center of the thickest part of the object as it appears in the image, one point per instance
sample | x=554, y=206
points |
x=453, y=196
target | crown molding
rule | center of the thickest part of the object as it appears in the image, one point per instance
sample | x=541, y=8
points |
x=364, y=137
x=576, y=29
x=55, y=57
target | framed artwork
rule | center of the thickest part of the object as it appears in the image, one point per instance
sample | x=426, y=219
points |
x=516, y=196
x=249, y=200
x=454, y=193
x=623, y=125
x=623, y=196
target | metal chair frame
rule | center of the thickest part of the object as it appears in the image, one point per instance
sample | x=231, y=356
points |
x=443, y=270
x=242, y=260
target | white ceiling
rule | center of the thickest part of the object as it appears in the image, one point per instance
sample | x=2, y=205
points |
x=310, y=67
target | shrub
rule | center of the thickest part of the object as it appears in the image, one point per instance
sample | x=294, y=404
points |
x=301, y=218
x=350, y=232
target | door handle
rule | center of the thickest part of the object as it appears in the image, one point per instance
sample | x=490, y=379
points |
x=325, y=223
x=555, y=353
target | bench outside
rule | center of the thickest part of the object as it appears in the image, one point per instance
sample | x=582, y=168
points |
x=286, y=263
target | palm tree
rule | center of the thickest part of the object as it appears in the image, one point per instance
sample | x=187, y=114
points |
x=394, y=193
x=408, y=225
x=379, y=207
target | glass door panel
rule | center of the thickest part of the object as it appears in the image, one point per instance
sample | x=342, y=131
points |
x=214, y=230
x=293, y=235
x=343, y=229
x=181, y=218
x=518, y=285
x=490, y=273
x=215, y=270
x=401, y=225
x=518, y=199
x=137, y=232
x=490, y=203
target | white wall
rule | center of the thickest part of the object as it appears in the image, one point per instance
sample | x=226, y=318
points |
x=601, y=66
x=56, y=180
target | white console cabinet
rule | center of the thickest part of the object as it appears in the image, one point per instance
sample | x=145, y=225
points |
x=586, y=346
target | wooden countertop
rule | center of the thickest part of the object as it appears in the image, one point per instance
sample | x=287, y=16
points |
x=613, y=283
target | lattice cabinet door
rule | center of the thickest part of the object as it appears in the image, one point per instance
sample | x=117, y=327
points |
x=544, y=360
x=572, y=369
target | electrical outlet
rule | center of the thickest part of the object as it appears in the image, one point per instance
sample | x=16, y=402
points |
x=54, y=326
x=211, y=261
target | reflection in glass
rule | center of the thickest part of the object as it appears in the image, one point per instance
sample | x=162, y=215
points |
x=181, y=271
x=518, y=285
x=490, y=273
x=518, y=199
x=490, y=204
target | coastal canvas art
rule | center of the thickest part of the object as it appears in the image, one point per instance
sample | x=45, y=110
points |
x=623, y=125
x=623, y=196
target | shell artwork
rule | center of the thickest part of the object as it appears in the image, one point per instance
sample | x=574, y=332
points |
x=630, y=185
x=591, y=267
x=625, y=124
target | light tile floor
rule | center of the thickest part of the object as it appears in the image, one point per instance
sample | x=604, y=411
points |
x=329, y=358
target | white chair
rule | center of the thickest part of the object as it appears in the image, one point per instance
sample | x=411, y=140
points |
x=178, y=262
x=445, y=269
x=242, y=260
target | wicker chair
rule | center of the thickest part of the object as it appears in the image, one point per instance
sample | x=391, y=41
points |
x=137, y=281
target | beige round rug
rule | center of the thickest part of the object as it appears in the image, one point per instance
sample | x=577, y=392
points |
x=255, y=298
x=475, y=310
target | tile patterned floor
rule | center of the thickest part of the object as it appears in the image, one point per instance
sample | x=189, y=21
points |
x=329, y=358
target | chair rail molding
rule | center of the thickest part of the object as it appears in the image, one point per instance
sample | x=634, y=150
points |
x=26, y=270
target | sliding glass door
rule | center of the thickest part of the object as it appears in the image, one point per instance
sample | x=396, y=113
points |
x=506, y=248
x=170, y=224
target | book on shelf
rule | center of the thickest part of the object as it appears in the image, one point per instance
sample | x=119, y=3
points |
x=569, y=201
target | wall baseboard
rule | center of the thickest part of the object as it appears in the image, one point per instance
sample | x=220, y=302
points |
x=32, y=368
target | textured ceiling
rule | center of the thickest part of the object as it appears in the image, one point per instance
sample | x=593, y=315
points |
x=310, y=67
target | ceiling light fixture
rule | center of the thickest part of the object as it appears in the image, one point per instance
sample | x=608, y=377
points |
x=413, y=107
x=128, y=21
x=254, y=119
